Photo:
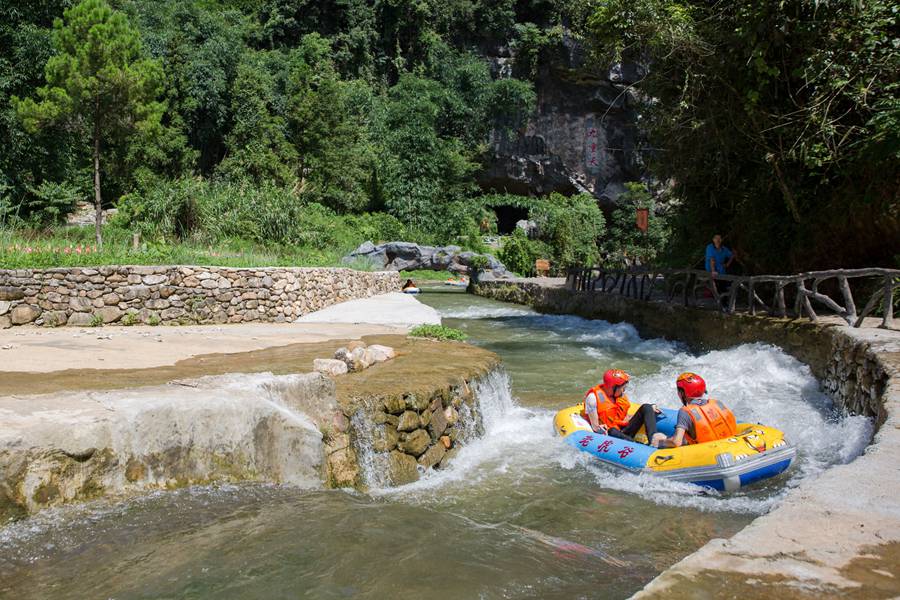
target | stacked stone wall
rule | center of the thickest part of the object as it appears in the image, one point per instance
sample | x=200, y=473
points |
x=178, y=294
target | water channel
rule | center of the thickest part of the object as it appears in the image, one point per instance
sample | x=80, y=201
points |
x=517, y=515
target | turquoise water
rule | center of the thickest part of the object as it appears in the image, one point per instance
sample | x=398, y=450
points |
x=517, y=515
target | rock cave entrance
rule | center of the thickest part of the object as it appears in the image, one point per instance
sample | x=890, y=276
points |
x=507, y=216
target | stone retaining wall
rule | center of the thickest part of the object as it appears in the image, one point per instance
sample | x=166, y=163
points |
x=178, y=295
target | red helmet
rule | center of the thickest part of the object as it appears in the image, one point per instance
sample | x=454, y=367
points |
x=615, y=377
x=691, y=384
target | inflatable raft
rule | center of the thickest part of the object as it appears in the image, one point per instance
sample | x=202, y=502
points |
x=756, y=452
x=411, y=290
x=457, y=282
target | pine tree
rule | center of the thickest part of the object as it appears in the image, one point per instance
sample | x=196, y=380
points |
x=99, y=83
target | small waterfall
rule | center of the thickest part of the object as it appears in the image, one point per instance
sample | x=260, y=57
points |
x=493, y=404
x=373, y=465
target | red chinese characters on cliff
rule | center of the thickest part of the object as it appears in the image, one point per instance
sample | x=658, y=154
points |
x=591, y=146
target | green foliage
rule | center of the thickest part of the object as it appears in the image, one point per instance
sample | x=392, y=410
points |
x=420, y=172
x=531, y=42
x=624, y=240
x=438, y=332
x=257, y=147
x=43, y=206
x=350, y=108
x=519, y=253
x=328, y=131
x=777, y=122
x=96, y=321
x=571, y=227
x=99, y=83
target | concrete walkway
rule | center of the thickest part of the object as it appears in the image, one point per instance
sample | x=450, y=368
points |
x=394, y=310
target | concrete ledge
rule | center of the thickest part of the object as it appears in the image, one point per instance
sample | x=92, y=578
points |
x=394, y=309
x=834, y=535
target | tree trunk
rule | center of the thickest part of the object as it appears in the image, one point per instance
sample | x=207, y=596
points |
x=98, y=204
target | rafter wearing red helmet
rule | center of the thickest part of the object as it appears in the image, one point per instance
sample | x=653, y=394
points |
x=699, y=419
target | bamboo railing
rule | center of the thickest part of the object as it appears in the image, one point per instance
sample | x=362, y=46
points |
x=775, y=295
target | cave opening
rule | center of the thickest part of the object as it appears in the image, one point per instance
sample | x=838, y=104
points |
x=507, y=216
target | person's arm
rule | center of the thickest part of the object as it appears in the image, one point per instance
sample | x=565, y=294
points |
x=711, y=261
x=590, y=407
x=730, y=258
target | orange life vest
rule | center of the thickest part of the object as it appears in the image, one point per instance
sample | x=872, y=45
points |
x=712, y=421
x=612, y=413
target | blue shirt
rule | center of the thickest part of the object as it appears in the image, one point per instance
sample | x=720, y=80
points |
x=720, y=254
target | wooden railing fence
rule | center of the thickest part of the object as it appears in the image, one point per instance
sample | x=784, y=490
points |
x=775, y=295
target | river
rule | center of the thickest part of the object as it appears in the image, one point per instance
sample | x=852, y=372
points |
x=517, y=515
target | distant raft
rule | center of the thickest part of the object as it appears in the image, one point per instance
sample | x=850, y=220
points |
x=411, y=290
x=461, y=282
x=755, y=453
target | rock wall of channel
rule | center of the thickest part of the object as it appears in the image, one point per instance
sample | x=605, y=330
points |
x=178, y=295
x=835, y=535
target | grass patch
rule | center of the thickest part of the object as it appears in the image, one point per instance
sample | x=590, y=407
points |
x=427, y=275
x=438, y=332
x=75, y=247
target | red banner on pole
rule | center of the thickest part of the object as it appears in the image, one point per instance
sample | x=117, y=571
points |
x=643, y=219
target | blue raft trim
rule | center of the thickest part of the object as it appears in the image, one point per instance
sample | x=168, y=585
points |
x=765, y=472
x=624, y=453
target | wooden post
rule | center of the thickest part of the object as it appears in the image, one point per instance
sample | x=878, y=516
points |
x=779, y=300
x=806, y=304
x=716, y=295
x=849, y=304
x=732, y=296
x=798, y=301
x=888, y=321
x=135, y=240
x=751, y=297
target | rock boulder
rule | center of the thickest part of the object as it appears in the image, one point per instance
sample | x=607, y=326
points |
x=330, y=366
x=400, y=256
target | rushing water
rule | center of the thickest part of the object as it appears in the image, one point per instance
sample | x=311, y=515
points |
x=517, y=515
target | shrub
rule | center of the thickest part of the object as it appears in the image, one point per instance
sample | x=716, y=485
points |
x=624, y=239
x=571, y=227
x=519, y=253
x=437, y=332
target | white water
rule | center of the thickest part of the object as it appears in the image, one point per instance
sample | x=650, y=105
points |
x=759, y=382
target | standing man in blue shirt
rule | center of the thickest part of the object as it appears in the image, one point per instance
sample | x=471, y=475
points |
x=718, y=257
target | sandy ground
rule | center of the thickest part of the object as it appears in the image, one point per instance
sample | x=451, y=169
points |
x=42, y=350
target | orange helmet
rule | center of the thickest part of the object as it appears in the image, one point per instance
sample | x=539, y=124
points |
x=615, y=377
x=691, y=384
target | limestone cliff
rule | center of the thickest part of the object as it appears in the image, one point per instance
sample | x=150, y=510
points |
x=582, y=136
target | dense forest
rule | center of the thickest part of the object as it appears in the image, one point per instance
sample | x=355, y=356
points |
x=319, y=124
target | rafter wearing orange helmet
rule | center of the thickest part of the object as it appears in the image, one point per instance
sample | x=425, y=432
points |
x=606, y=409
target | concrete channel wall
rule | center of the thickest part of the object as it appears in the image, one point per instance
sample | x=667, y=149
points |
x=834, y=535
x=177, y=294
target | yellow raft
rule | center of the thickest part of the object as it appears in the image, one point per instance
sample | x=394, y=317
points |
x=756, y=452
